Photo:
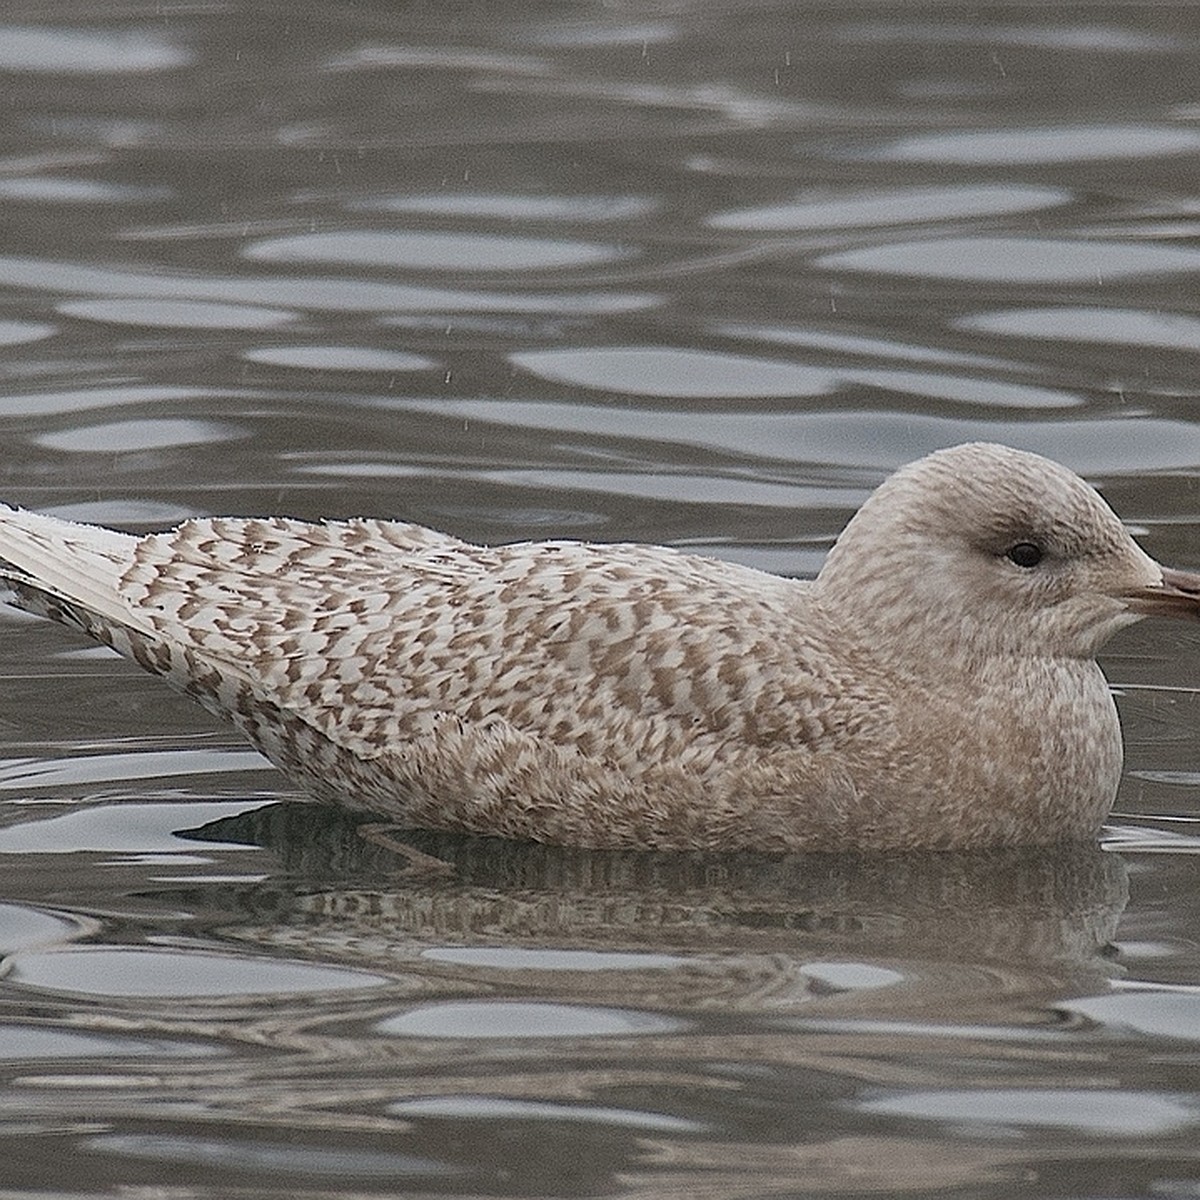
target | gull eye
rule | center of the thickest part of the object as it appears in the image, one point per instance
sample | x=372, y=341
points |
x=1024, y=554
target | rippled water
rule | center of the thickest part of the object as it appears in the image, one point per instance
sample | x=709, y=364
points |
x=683, y=272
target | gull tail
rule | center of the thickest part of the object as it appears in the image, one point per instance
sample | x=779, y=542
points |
x=65, y=571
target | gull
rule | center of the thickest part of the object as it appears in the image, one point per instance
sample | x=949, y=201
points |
x=935, y=687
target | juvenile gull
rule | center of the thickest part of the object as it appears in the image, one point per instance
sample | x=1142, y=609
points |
x=935, y=686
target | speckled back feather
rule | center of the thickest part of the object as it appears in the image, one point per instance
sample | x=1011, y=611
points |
x=926, y=691
x=602, y=695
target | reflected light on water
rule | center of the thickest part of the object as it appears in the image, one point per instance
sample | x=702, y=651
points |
x=697, y=277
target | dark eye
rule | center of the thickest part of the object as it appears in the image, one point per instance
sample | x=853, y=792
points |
x=1024, y=554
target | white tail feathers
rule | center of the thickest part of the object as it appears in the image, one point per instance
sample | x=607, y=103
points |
x=80, y=564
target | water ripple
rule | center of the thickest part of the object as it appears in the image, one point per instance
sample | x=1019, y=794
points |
x=1040, y=144
x=898, y=206
x=1014, y=260
x=68, y=51
x=420, y=251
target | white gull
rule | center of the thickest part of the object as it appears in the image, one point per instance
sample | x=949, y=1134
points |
x=934, y=687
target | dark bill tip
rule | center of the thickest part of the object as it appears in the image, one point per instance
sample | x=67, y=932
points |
x=1178, y=596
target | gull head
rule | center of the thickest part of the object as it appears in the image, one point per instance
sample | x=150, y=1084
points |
x=982, y=550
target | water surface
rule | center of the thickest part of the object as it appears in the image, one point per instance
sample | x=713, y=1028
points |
x=690, y=273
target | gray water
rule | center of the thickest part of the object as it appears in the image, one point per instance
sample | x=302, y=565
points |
x=682, y=272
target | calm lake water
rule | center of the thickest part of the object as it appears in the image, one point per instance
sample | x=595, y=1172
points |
x=687, y=272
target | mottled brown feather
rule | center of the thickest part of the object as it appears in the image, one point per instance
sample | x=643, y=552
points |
x=924, y=691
